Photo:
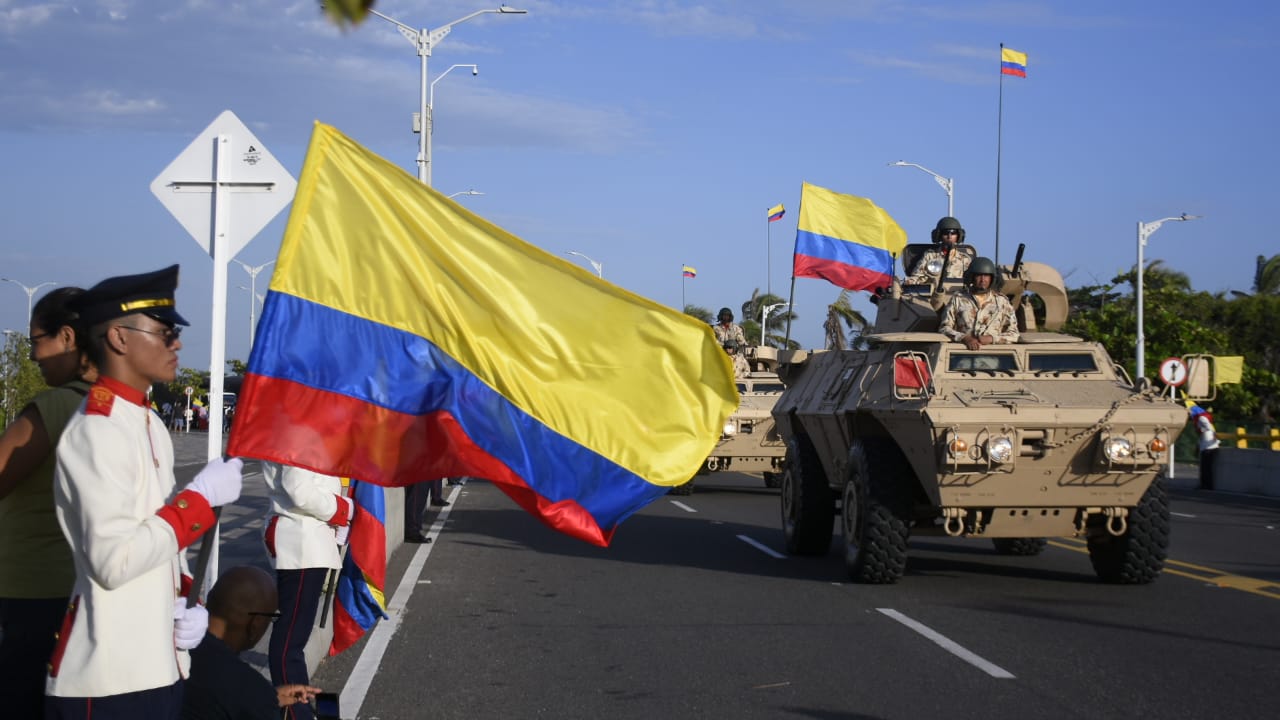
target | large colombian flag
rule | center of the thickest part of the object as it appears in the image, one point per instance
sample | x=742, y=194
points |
x=405, y=339
x=846, y=240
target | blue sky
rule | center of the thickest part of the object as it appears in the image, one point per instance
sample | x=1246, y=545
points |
x=651, y=134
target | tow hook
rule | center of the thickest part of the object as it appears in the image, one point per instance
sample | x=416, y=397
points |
x=1117, y=520
x=953, y=523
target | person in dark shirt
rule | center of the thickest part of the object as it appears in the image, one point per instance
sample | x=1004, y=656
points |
x=242, y=605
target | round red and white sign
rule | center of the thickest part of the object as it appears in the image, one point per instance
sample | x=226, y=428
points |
x=1173, y=371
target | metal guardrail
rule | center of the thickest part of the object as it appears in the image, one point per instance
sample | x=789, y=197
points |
x=1269, y=435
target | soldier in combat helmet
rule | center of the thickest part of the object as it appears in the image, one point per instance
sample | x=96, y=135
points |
x=979, y=315
x=946, y=236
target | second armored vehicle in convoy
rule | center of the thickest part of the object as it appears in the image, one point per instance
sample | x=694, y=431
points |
x=918, y=435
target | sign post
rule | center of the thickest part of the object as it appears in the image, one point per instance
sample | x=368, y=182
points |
x=225, y=168
x=1173, y=371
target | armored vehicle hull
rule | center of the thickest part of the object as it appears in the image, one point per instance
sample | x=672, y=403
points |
x=1013, y=442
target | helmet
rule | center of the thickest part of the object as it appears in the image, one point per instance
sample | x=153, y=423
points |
x=947, y=223
x=724, y=311
x=981, y=266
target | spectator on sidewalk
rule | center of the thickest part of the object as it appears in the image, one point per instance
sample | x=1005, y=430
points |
x=242, y=605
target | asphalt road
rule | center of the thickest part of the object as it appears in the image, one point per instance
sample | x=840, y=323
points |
x=694, y=612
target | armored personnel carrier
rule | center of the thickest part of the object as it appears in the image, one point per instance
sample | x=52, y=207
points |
x=750, y=442
x=918, y=435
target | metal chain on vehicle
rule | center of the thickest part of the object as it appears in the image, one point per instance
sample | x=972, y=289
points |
x=1146, y=392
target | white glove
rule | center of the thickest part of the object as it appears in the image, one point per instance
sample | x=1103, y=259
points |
x=189, y=624
x=219, y=482
x=341, y=532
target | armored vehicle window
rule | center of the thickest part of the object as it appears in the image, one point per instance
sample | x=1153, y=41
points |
x=762, y=387
x=1061, y=362
x=986, y=362
x=742, y=387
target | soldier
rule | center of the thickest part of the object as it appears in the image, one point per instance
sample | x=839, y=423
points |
x=946, y=236
x=740, y=366
x=727, y=330
x=122, y=649
x=979, y=316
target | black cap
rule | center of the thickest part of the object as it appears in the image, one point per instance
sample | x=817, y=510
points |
x=149, y=293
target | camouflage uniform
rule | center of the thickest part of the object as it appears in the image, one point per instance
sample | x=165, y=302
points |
x=733, y=334
x=740, y=365
x=962, y=317
x=959, y=264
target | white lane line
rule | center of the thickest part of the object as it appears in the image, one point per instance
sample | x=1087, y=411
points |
x=762, y=547
x=683, y=507
x=949, y=645
x=357, y=687
x=1185, y=515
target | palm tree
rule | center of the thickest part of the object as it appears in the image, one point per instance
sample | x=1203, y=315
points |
x=699, y=312
x=840, y=314
x=776, y=325
x=1266, y=279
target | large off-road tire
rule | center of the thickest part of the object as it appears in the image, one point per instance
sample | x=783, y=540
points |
x=772, y=480
x=685, y=488
x=808, y=508
x=1019, y=546
x=1136, y=557
x=876, y=512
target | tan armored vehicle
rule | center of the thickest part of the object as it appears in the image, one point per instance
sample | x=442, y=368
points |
x=1016, y=442
x=750, y=442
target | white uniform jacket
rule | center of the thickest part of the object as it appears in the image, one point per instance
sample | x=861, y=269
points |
x=113, y=475
x=305, y=510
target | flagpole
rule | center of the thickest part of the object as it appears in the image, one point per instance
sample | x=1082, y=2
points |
x=999, y=144
x=682, y=282
x=791, y=298
x=768, y=252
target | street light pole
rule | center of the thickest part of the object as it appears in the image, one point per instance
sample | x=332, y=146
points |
x=947, y=184
x=424, y=40
x=465, y=192
x=1145, y=230
x=764, y=317
x=599, y=267
x=253, y=293
x=428, y=126
x=31, y=291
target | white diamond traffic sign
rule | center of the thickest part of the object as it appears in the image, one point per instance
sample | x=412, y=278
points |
x=225, y=157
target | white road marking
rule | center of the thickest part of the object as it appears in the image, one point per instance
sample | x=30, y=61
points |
x=357, y=687
x=949, y=645
x=762, y=547
x=683, y=507
x=1185, y=515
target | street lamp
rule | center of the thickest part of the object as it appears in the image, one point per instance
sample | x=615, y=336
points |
x=947, y=184
x=253, y=292
x=31, y=291
x=599, y=267
x=1144, y=231
x=424, y=40
x=465, y=192
x=764, y=317
x=429, y=127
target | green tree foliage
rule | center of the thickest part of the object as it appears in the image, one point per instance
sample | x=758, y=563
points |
x=699, y=312
x=841, y=315
x=1266, y=277
x=20, y=378
x=237, y=367
x=779, y=318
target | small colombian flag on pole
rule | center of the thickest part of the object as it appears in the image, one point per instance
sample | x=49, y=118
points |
x=776, y=212
x=1013, y=62
x=690, y=272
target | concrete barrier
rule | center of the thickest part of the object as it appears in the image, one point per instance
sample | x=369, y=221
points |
x=1256, y=472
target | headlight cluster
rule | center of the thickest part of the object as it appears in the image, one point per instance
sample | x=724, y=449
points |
x=997, y=449
x=1117, y=449
x=730, y=428
x=1000, y=449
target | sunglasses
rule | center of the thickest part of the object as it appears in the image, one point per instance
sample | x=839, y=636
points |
x=950, y=232
x=169, y=335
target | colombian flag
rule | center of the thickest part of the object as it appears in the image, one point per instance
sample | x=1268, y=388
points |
x=1013, y=62
x=776, y=212
x=690, y=272
x=844, y=239
x=360, y=595
x=405, y=339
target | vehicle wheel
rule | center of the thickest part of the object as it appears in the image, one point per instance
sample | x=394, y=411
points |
x=1019, y=546
x=685, y=488
x=773, y=480
x=808, y=509
x=876, y=513
x=1137, y=557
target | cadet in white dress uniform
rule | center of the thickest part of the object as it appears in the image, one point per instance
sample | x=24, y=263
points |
x=122, y=650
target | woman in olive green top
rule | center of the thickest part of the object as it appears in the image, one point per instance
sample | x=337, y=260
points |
x=36, y=571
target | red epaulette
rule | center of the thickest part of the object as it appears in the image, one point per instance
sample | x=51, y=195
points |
x=100, y=401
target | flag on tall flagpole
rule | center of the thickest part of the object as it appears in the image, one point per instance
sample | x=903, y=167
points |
x=478, y=355
x=776, y=212
x=1013, y=62
x=845, y=239
x=690, y=272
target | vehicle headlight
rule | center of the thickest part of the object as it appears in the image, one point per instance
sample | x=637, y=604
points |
x=934, y=266
x=1117, y=448
x=1000, y=449
x=730, y=428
